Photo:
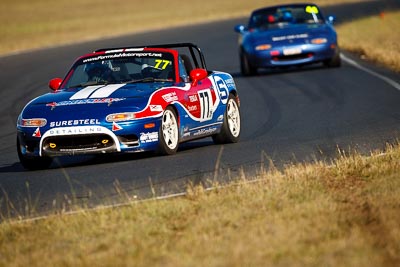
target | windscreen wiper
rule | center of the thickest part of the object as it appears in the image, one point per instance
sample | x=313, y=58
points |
x=149, y=80
x=88, y=84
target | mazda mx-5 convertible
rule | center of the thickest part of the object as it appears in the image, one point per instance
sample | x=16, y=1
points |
x=131, y=99
x=287, y=35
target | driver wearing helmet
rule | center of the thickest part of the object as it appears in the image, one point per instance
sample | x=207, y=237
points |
x=287, y=16
x=99, y=72
x=147, y=71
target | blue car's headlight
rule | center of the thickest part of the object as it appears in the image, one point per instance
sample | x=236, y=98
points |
x=263, y=47
x=319, y=41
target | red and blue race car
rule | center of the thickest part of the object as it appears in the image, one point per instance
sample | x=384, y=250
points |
x=130, y=99
x=287, y=35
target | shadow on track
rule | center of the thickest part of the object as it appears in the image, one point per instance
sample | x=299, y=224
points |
x=77, y=161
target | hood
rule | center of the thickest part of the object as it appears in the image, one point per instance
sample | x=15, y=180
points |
x=298, y=33
x=92, y=101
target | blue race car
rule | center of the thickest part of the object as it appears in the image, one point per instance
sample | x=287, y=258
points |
x=129, y=99
x=287, y=35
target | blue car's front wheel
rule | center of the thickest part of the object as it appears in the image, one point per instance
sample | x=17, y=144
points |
x=245, y=65
x=335, y=61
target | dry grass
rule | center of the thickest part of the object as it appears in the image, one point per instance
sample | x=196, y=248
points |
x=375, y=38
x=27, y=24
x=341, y=214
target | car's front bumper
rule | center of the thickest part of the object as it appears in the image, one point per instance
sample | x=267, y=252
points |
x=290, y=55
x=133, y=136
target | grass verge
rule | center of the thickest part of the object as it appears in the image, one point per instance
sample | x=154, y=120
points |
x=374, y=38
x=345, y=213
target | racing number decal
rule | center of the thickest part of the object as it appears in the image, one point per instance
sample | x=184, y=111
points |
x=222, y=88
x=312, y=9
x=163, y=63
x=205, y=104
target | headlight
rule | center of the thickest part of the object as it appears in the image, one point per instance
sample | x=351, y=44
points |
x=36, y=122
x=263, y=47
x=126, y=116
x=319, y=41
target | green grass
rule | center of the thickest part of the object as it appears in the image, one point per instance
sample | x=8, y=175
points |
x=344, y=213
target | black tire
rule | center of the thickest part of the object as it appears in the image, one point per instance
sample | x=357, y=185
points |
x=335, y=61
x=32, y=163
x=245, y=66
x=230, y=130
x=169, y=132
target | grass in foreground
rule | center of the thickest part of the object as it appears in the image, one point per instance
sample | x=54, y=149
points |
x=341, y=214
x=375, y=38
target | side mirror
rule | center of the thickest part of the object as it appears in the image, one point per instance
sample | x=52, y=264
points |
x=239, y=28
x=331, y=19
x=55, y=84
x=198, y=74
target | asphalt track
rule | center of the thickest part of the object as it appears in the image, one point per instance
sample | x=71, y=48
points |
x=288, y=116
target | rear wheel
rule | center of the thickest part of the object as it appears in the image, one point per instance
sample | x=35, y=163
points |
x=230, y=131
x=32, y=163
x=169, y=132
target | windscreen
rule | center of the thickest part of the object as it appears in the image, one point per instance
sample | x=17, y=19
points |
x=124, y=67
x=282, y=16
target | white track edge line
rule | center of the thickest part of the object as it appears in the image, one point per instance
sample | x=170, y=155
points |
x=373, y=73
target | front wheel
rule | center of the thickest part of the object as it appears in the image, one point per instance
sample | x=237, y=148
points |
x=335, y=61
x=32, y=163
x=230, y=130
x=245, y=66
x=169, y=132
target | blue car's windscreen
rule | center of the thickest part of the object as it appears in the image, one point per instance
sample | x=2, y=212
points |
x=121, y=68
x=277, y=17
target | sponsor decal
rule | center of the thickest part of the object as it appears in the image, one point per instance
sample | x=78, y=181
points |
x=222, y=88
x=37, y=133
x=170, y=97
x=116, y=127
x=84, y=101
x=193, y=98
x=290, y=37
x=156, y=108
x=74, y=130
x=230, y=83
x=148, y=137
x=192, y=108
x=119, y=55
x=74, y=122
x=205, y=131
